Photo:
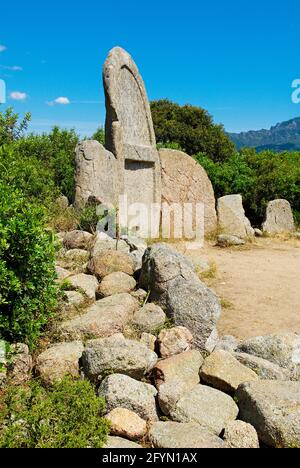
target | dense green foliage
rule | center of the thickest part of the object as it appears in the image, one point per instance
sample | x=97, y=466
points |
x=65, y=416
x=10, y=127
x=99, y=135
x=192, y=128
x=258, y=177
x=27, y=274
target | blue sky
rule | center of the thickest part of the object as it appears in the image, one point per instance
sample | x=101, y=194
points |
x=237, y=59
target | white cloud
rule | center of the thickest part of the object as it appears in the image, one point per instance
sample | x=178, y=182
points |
x=2, y=48
x=62, y=100
x=14, y=68
x=18, y=96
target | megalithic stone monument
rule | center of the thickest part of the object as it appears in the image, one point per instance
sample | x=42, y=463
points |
x=129, y=166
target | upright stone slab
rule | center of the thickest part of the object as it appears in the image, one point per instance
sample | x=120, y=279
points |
x=232, y=219
x=96, y=174
x=279, y=218
x=129, y=131
x=185, y=181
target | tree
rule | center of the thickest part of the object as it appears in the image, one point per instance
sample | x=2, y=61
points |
x=99, y=135
x=10, y=127
x=192, y=128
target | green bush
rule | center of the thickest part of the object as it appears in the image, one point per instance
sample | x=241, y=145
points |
x=191, y=128
x=258, y=177
x=27, y=273
x=66, y=416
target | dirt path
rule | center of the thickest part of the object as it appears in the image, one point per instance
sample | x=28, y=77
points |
x=259, y=287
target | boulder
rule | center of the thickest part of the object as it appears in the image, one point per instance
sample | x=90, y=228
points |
x=126, y=423
x=116, y=283
x=174, y=341
x=110, y=261
x=190, y=185
x=273, y=408
x=231, y=217
x=206, y=406
x=74, y=299
x=149, y=318
x=62, y=273
x=121, y=391
x=282, y=349
x=78, y=240
x=137, y=258
x=148, y=340
x=241, y=435
x=19, y=364
x=86, y=283
x=135, y=243
x=173, y=435
x=175, y=286
x=119, y=355
x=120, y=443
x=104, y=318
x=75, y=259
x=176, y=376
x=58, y=361
x=224, y=240
x=140, y=295
x=222, y=371
x=279, y=218
x=265, y=370
x=103, y=243
x=227, y=343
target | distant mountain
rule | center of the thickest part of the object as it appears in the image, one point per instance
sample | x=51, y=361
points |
x=284, y=136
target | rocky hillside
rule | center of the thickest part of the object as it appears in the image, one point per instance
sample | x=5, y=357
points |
x=284, y=136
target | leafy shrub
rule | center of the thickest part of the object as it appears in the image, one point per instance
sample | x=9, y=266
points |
x=65, y=416
x=27, y=274
x=56, y=151
x=99, y=135
x=258, y=177
x=10, y=127
x=191, y=128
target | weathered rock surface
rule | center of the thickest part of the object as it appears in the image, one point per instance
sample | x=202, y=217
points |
x=129, y=134
x=175, y=286
x=104, y=318
x=96, y=174
x=116, y=283
x=281, y=349
x=177, y=435
x=58, y=361
x=279, y=218
x=74, y=298
x=20, y=363
x=273, y=408
x=174, y=341
x=125, y=423
x=206, y=406
x=224, y=240
x=137, y=258
x=239, y=434
x=222, y=371
x=149, y=318
x=149, y=340
x=140, y=295
x=190, y=185
x=231, y=217
x=111, y=261
x=103, y=243
x=227, y=343
x=86, y=283
x=265, y=370
x=78, y=240
x=121, y=391
x=75, y=259
x=119, y=355
x=120, y=443
x=176, y=376
x=62, y=273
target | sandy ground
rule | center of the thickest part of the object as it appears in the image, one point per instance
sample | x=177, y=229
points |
x=259, y=286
